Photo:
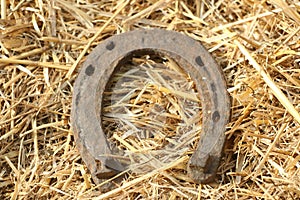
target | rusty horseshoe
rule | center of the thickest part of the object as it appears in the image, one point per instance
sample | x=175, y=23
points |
x=99, y=67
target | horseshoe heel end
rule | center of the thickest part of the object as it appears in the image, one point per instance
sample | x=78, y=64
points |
x=202, y=167
x=204, y=162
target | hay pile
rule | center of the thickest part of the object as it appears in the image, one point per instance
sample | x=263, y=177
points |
x=151, y=113
x=43, y=44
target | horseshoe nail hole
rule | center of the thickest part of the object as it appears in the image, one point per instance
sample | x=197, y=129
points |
x=199, y=61
x=90, y=70
x=213, y=87
x=110, y=46
x=216, y=116
x=151, y=111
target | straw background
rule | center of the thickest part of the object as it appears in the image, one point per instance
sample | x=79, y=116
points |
x=43, y=44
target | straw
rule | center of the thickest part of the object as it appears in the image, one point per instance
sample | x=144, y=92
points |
x=152, y=113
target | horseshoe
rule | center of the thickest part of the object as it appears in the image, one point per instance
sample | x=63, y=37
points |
x=116, y=50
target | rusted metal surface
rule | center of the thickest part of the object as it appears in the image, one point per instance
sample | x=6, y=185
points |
x=99, y=67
